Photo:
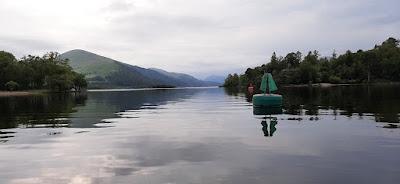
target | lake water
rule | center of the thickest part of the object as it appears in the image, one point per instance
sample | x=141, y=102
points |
x=202, y=135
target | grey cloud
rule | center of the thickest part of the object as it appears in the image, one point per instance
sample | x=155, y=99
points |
x=218, y=36
x=156, y=27
x=22, y=46
x=121, y=171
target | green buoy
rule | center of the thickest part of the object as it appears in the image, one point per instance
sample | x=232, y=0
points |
x=267, y=99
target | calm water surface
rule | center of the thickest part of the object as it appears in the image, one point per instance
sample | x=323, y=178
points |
x=209, y=135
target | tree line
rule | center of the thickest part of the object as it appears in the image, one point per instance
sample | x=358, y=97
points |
x=33, y=72
x=380, y=64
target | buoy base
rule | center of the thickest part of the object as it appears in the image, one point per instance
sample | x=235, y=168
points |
x=267, y=100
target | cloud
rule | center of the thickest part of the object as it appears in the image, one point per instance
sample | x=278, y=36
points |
x=25, y=46
x=119, y=5
x=199, y=37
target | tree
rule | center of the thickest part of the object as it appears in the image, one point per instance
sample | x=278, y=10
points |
x=11, y=86
x=293, y=59
x=274, y=59
x=7, y=67
x=232, y=80
x=79, y=82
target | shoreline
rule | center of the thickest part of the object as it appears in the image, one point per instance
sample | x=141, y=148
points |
x=145, y=89
x=41, y=92
x=322, y=85
x=327, y=85
x=22, y=93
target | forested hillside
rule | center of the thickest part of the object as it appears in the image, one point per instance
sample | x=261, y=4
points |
x=380, y=64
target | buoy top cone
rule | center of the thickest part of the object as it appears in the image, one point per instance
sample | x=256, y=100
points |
x=267, y=99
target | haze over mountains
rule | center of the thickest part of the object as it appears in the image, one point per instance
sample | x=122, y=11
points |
x=215, y=78
x=103, y=72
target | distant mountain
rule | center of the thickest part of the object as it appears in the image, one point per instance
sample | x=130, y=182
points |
x=103, y=72
x=215, y=78
x=185, y=79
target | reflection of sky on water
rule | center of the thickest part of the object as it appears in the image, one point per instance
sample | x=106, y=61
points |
x=199, y=136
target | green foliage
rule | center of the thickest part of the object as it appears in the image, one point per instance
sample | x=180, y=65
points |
x=33, y=72
x=382, y=63
x=79, y=82
x=334, y=79
x=7, y=67
x=11, y=86
x=232, y=80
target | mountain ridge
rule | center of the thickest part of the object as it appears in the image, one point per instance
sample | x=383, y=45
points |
x=104, y=72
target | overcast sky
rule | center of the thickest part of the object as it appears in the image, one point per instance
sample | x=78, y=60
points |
x=199, y=37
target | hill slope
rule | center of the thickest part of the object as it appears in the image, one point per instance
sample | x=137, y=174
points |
x=90, y=64
x=185, y=79
x=103, y=72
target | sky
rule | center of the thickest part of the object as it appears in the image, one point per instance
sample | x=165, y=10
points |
x=198, y=37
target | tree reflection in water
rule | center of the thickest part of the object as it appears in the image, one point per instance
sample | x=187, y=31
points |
x=380, y=101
